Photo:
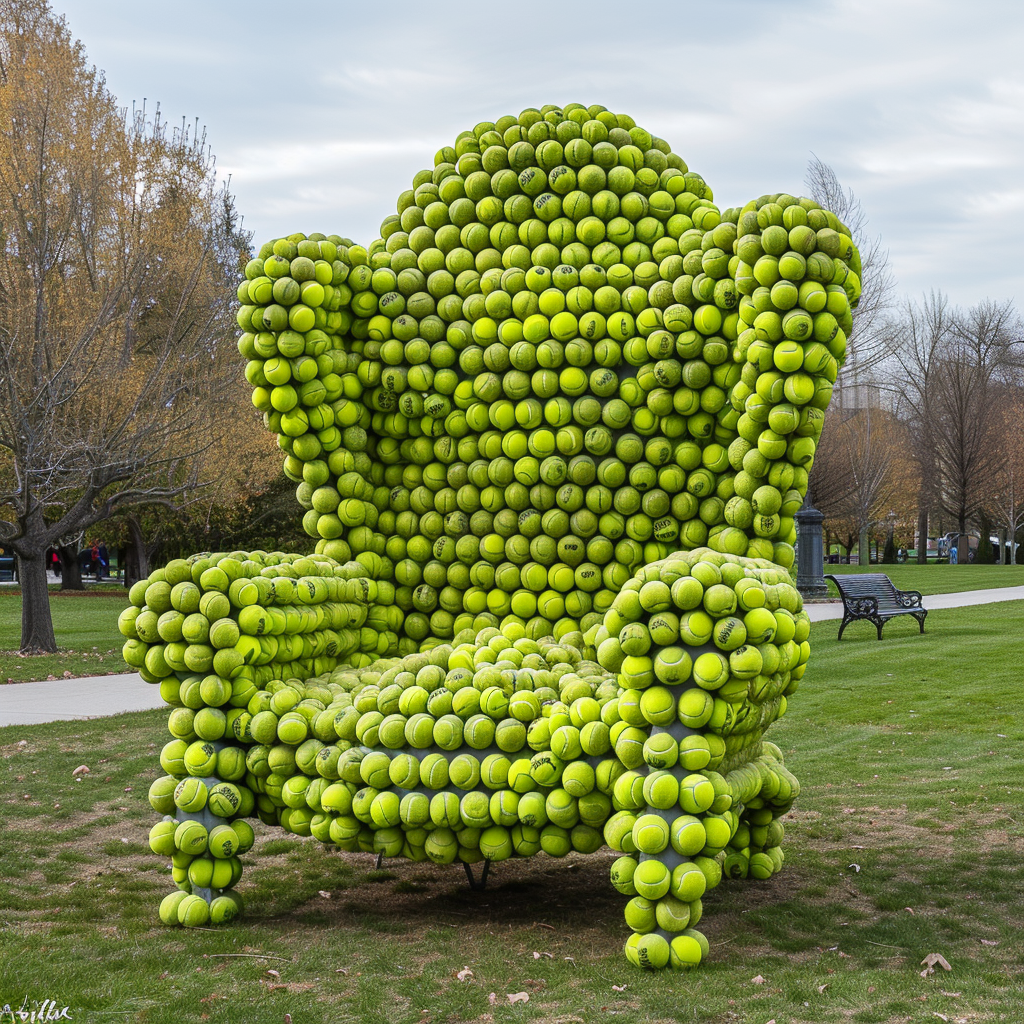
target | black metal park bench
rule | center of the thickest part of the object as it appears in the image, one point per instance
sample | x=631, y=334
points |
x=872, y=596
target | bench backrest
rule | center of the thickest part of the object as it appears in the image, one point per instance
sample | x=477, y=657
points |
x=867, y=584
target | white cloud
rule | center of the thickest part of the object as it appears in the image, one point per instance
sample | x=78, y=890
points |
x=322, y=115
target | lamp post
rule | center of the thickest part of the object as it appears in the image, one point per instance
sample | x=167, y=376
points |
x=810, y=559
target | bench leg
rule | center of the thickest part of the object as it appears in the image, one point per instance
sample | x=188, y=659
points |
x=920, y=620
x=474, y=884
x=879, y=623
x=846, y=621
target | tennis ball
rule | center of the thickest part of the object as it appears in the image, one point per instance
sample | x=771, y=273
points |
x=661, y=749
x=161, y=794
x=640, y=915
x=200, y=759
x=761, y=866
x=621, y=874
x=658, y=705
x=687, y=835
x=578, y=779
x=246, y=836
x=661, y=790
x=652, y=951
x=672, y=665
x=223, y=841
x=710, y=670
x=161, y=837
x=694, y=753
x=546, y=768
x=169, y=907
x=375, y=770
x=595, y=739
x=671, y=914
x=555, y=841
x=532, y=810
x=688, y=882
x=719, y=600
x=225, y=908
x=385, y=810
x=193, y=912
x=494, y=771
x=652, y=879
x=760, y=624
x=414, y=810
x=685, y=952
x=565, y=743
x=745, y=662
x=191, y=795
x=695, y=707
x=696, y=794
x=464, y=771
x=190, y=837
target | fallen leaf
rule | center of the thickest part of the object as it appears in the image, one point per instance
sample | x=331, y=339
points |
x=537, y=956
x=757, y=980
x=287, y=1018
x=951, y=995
x=941, y=1016
x=618, y=988
x=492, y=999
x=909, y=910
x=273, y=973
x=570, y=959
x=856, y=867
x=341, y=970
x=821, y=988
x=166, y=974
x=937, y=959
x=82, y=769
x=518, y=997
x=326, y=895
x=989, y=942
x=465, y=974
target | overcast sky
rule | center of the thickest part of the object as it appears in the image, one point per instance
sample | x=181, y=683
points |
x=322, y=112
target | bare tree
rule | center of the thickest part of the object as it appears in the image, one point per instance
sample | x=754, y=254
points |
x=868, y=342
x=115, y=326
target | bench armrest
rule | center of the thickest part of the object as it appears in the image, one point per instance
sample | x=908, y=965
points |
x=909, y=598
x=861, y=605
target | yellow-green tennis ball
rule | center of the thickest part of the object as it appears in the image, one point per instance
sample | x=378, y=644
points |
x=672, y=665
x=696, y=794
x=546, y=768
x=661, y=790
x=694, y=753
x=231, y=764
x=719, y=600
x=618, y=832
x=658, y=706
x=404, y=771
x=190, y=795
x=172, y=758
x=671, y=914
x=695, y=707
x=169, y=907
x=384, y=810
x=444, y=810
x=685, y=952
x=375, y=770
x=630, y=949
x=464, y=771
x=161, y=837
x=225, y=908
x=650, y=833
x=181, y=723
x=532, y=810
x=688, y=882
x=503, y=807
x=661, y=750
x=745, y=662
x=494, y=771
x=224, y=634
x=710, y=670
x=761, y=866
x=448, y=732
x=629, y=747
x=652, y=951
x=761, y=626
x=246, y=836
x=510, y=734
x=190, y=837
x=621, y=875
x=578, y=779
x=200, y=872
x=478, y=732
x=223, y=842
x=161, y=794
x=565, y=743
x=496, y=843
x=629, y=790
x=655, y=596
x=729, y=633
x=595, y=739
x=687, y=835
x=414, y=810
x=201, y=759
x=652, y=879
x=585, y=838
x=519, y=777
x=224, y=800
x=561, y=808
x=292, y=728
x=640, y=915
x=555, y=841
x=524, y=706
x=419, y=730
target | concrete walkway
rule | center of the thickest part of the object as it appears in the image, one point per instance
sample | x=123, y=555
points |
x=98, y=696
x=821, y=612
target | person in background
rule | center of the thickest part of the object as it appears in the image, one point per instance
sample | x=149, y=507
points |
x=103, y=564
x=94, y=560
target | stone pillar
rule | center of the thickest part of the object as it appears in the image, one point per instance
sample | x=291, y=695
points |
x=810, y=579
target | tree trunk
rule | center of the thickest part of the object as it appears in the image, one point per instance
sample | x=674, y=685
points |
x=922, y=535
x=36, y=624
x=864, y=547
x=70, y=568
x=137, y=560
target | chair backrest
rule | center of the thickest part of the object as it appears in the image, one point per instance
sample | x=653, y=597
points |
x=867, y=584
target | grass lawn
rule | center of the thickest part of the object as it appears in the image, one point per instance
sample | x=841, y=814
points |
x=939, y=579
x=908, y=839
x=86, y=629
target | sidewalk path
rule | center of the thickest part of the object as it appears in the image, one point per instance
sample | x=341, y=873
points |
x=59, y=699
x=98, y=696
x=834, y=609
